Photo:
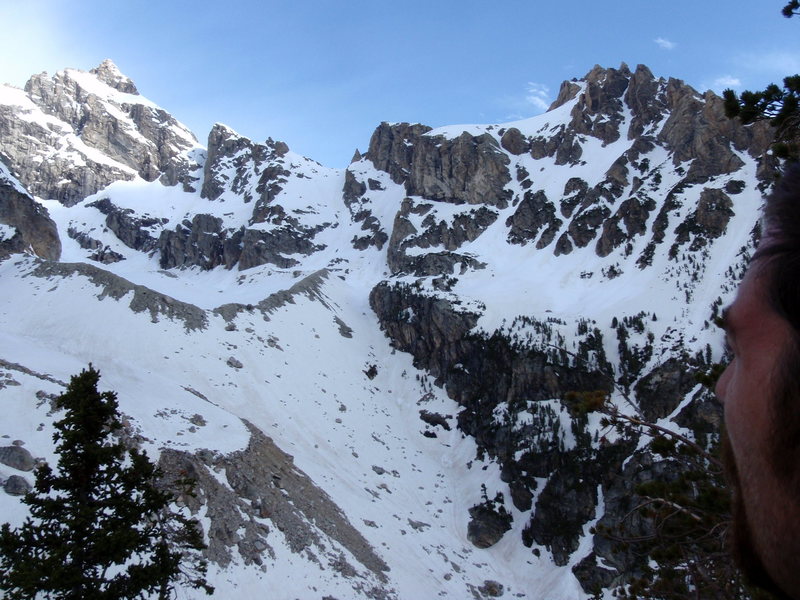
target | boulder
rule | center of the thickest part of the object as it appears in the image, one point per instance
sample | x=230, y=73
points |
x=486, y=526
x=17, y=485
x=514, y=142
x=17, y=457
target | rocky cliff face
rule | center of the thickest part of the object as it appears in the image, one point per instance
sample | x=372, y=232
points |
x=520, y=266
x=650, y=128
x=239, y=170
x=93, y=128
x=25, y=225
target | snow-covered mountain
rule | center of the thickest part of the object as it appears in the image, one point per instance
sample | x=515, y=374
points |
x=366, y=369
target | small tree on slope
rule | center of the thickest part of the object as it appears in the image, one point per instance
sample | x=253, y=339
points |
x=99, y=528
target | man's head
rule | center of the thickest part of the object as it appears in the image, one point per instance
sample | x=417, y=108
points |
x=760, y=390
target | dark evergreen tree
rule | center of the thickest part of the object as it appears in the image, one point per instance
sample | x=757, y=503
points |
x=99, y=527
x=675, y=536
x=780, y=106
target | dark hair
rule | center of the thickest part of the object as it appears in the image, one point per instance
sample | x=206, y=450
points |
x=779, y=257
x=779, y=254
x=780, y=246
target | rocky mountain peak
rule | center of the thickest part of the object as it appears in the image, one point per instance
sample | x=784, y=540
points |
x=599, y=75
x=108, y=73
x=661, y=129
x=80, y=131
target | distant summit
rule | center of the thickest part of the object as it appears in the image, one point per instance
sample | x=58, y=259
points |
x=72, y=134
x=108, y=73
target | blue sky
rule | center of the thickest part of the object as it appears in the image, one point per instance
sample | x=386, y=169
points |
x=321, y=75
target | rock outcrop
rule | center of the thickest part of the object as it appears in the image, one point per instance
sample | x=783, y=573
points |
x=238, y=164
x=391, y=148
x=201, y=242
x=28, y=226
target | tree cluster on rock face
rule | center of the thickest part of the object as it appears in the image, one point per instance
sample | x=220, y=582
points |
x=98, y=526
x=779, y=106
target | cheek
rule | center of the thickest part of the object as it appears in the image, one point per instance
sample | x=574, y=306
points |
x=735, y=394
x=744, y=397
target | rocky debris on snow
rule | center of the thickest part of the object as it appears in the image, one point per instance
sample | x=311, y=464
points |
x=491, y=589
x=418, y=525
x=10, y=366
x=252, y=491
x=116, y=287
x=7, y=380
x=344, y=329
x=435, y=419
x=198, y=420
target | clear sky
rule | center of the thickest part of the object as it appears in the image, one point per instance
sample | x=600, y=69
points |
x=321, y=75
